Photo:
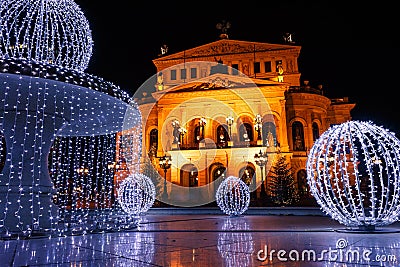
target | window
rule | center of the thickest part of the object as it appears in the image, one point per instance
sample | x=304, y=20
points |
x=315, y=131
x=278, y=66
x=197, y=136
x=235, y=69
x=173, y=74
x=193, y=177
x=193, y=73
x=269, y=134
x=247, y=174
x=222, y=136
x=298, y=136
x=246, y=132
x=257, y=68
x=153, y=139
x=183, y=74
x=189, y=176
x=267, y=66
x=219, y=172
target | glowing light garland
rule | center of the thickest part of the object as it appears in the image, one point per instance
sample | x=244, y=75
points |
x=233, y=196
x=46, y=31
x=59, y=125
x=354, y=174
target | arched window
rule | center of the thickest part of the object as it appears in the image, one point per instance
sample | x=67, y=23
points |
x=193, y=177
x=219, y=172
x=189, y=176
x=222, y=136
x=247, y=174
x=302, y=184
x=269, y=134
x=246, y=132
x=197, y=135
x=153, y=142
x=315, y=131
x=298, y=136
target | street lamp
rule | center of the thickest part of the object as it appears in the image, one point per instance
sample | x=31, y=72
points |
x=165, y=164
x=258, y=127
x=229, y=121
x=261, y=160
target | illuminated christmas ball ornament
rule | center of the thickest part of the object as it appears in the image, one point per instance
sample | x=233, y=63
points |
x=45, y=31
x=233, y=196
x=136, y=194
x=354, y=174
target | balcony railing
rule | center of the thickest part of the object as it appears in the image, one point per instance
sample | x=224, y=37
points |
x=239, y=144
x=305, y=89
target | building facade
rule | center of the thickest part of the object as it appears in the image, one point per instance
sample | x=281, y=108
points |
x=214, y=107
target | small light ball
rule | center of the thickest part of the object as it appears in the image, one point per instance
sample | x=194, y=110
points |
x=233, y=196
x=136, y=194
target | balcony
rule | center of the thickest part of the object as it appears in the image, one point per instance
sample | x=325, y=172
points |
x=212, y=145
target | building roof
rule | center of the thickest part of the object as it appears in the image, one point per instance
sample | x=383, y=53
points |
x=226, y=47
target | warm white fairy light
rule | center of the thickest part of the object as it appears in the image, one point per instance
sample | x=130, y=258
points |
x=58, y=125
x=47, y=31
x=233, y=196
x=354, y=174
x=136, y=194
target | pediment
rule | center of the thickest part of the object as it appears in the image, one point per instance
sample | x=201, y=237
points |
x=227, y=46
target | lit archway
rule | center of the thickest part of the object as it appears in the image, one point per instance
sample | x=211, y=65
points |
x=189, y=176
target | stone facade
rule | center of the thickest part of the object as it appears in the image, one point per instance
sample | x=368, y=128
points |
x=198, y=89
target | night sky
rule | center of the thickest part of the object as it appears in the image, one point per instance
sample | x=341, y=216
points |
x=348, y=48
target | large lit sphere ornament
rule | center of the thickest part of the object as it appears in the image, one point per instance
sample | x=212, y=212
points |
x=136, y=194
x=46, y=31
x=354, y=174
x=233, y=196
x=58, y=124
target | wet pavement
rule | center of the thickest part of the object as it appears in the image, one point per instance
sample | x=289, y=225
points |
x=214, y=240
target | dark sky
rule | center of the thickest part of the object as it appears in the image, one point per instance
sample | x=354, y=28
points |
x=347, y=47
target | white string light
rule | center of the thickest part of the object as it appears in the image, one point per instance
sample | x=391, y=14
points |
x=46, y=31
x=58, y=124
x=136, y=194
x=236, y=243
x=354, y=174
x=233, y=196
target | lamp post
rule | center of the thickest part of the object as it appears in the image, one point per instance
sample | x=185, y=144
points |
x=258, y=127
x=229, y=121
x=261, y=160
x=165, y=164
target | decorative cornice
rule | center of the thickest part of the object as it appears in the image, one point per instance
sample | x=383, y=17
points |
x=227, y=47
